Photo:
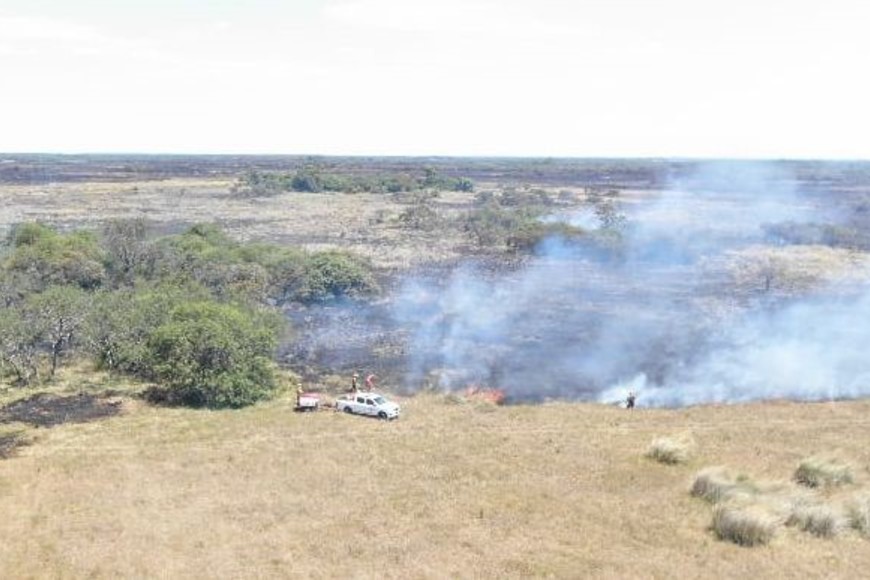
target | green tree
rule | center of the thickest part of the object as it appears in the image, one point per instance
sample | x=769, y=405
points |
x=121, y=322
x=47, y=257
x=333, y=275
x=57, y=314
x=215, y=355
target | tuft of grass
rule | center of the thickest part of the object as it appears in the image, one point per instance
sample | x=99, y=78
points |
x=823, y=472
x=744, y=524
x=820, y=520
x=670, y=451
x=858, y=512
x=717, y=484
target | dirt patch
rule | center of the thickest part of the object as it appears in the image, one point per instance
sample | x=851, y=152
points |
x=45, y=410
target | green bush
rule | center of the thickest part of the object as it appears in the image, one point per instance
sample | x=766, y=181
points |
x=516, y=229
x=215, y=355
x=315, y=178
x=30, y=234
x=254, y=273
x=333, y=275
x=120, y=323
x=47, y=257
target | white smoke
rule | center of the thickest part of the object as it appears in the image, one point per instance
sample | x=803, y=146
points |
x=660, y=322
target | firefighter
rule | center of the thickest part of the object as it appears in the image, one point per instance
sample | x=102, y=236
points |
x=299, y=392
x=629, y=401
x=370, y=382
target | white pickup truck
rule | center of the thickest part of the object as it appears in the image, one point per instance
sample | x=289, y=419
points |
x=371, y=404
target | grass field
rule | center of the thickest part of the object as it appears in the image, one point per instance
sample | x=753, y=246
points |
x=450, y=490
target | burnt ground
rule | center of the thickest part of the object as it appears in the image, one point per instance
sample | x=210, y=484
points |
x=46, y=410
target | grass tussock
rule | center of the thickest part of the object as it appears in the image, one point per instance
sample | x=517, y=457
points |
x=748, y=513
x=670, y=451
x=746, y=524
x=858, y=513
x=822, y=520
x=717, y=484
x=823, y=472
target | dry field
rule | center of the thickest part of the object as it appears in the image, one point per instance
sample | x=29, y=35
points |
x=366, y=222
x=452, y=489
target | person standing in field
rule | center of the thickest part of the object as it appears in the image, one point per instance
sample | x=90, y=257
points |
x=629, y=401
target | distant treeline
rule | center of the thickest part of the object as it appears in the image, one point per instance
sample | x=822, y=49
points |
x=196, y=313
x=315, y=179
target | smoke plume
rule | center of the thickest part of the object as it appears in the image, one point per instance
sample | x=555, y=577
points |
x=673, y=317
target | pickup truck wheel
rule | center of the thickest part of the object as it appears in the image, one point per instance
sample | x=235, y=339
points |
x=382, y=416
x=348, y=410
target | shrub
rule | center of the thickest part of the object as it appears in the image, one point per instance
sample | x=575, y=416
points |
x=124, y=241
x=47, y=257
x=120, y=324
x=335, y=274
x=669, y=451
x=257, y=184
x=420, y=215
x=30, y=234
x=215, y=355
x=821, y=471
x=494, y=225
x=820, y=520
x=745, y=524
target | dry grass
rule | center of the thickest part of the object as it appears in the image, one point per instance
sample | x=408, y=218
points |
x=317, y=221
x=670, y=451
x=823, y=472
x=858, y=511
x=447, y=491
x=821, y=520
x=717, y=484
x=746, y=524
x=795, y=269
x=748, y=513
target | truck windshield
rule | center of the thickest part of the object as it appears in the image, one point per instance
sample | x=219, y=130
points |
x=380, y=400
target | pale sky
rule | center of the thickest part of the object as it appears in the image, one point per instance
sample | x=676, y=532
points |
x=695, y=78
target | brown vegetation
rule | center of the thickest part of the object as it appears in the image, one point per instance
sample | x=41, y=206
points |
x=669, y=450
